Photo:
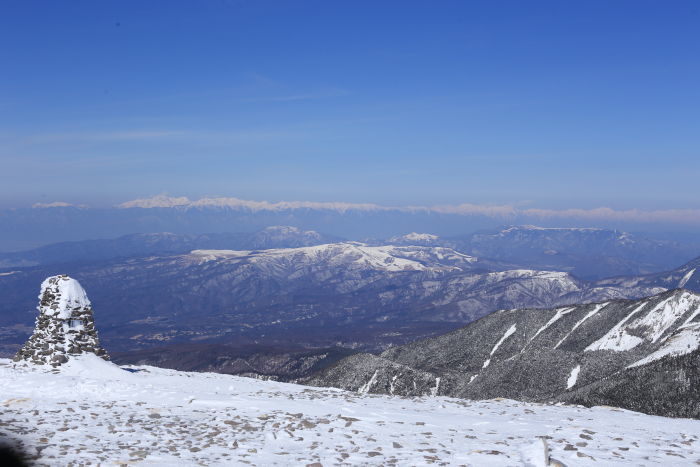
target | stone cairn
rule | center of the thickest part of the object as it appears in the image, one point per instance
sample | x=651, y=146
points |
x=65, y=326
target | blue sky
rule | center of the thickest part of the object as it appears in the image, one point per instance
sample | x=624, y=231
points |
x=533, y=104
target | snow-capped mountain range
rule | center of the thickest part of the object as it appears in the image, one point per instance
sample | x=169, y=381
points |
x=52, y=222
x=640, y=354
x=348, y=294
x=587, y=253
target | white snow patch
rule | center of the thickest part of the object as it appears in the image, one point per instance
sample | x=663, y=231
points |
x=434, y=391
x=557, y=316
x=534, y=454
x=665, y=314
x=686, y=278
x=392, y=383
x=573, y=377
x=684, y=341
x=591, y=313
x=90, y=365
x=364, y=389
x=506, y=335
x=653, y=324
x=617, y=339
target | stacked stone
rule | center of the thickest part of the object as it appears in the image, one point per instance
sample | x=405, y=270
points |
x=65, y=326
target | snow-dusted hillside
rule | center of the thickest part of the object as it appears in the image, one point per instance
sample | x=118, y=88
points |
x=90, y=410
x=346, y=294
x=638, y=354
x=415, y=238
x=162, y=243
x=348, y=255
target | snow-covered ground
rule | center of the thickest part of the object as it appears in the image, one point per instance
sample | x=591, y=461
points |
x=91, y=411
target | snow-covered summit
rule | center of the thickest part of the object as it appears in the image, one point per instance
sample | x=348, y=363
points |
x=159, y=201
x=513, y=228
x=414, y=237
x=163, y=201
x=352, y=255
x=57, y=204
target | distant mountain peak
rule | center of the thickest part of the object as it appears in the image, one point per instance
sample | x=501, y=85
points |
x=57, y=204
x=163, y=201
x=277, y=236
x=414, y=237
x=525, y=227
x=158, y=201
x=288, y=230
x=282, y=229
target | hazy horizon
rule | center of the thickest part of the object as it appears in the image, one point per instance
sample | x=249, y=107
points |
x=47, y=223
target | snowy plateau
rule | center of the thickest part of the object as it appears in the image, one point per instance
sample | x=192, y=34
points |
x=90, y=411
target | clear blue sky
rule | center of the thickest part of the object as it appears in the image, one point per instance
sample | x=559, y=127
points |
x=544, y=104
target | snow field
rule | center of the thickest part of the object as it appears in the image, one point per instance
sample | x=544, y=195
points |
x=90, y=411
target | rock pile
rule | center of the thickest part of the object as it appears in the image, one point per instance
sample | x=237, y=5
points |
x=64, y=327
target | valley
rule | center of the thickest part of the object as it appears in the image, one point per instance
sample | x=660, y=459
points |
x=299, y=304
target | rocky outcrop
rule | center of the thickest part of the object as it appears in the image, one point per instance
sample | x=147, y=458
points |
x=65, y=326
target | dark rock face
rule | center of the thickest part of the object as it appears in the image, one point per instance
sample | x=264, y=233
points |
x=637, y=354
x=65, y=326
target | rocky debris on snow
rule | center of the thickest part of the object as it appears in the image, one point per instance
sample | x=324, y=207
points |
x=90, y=411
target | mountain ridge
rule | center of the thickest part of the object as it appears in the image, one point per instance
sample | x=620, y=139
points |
x=573, y=353
x=344, y=294
x=160, y=243
x=54, y=222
